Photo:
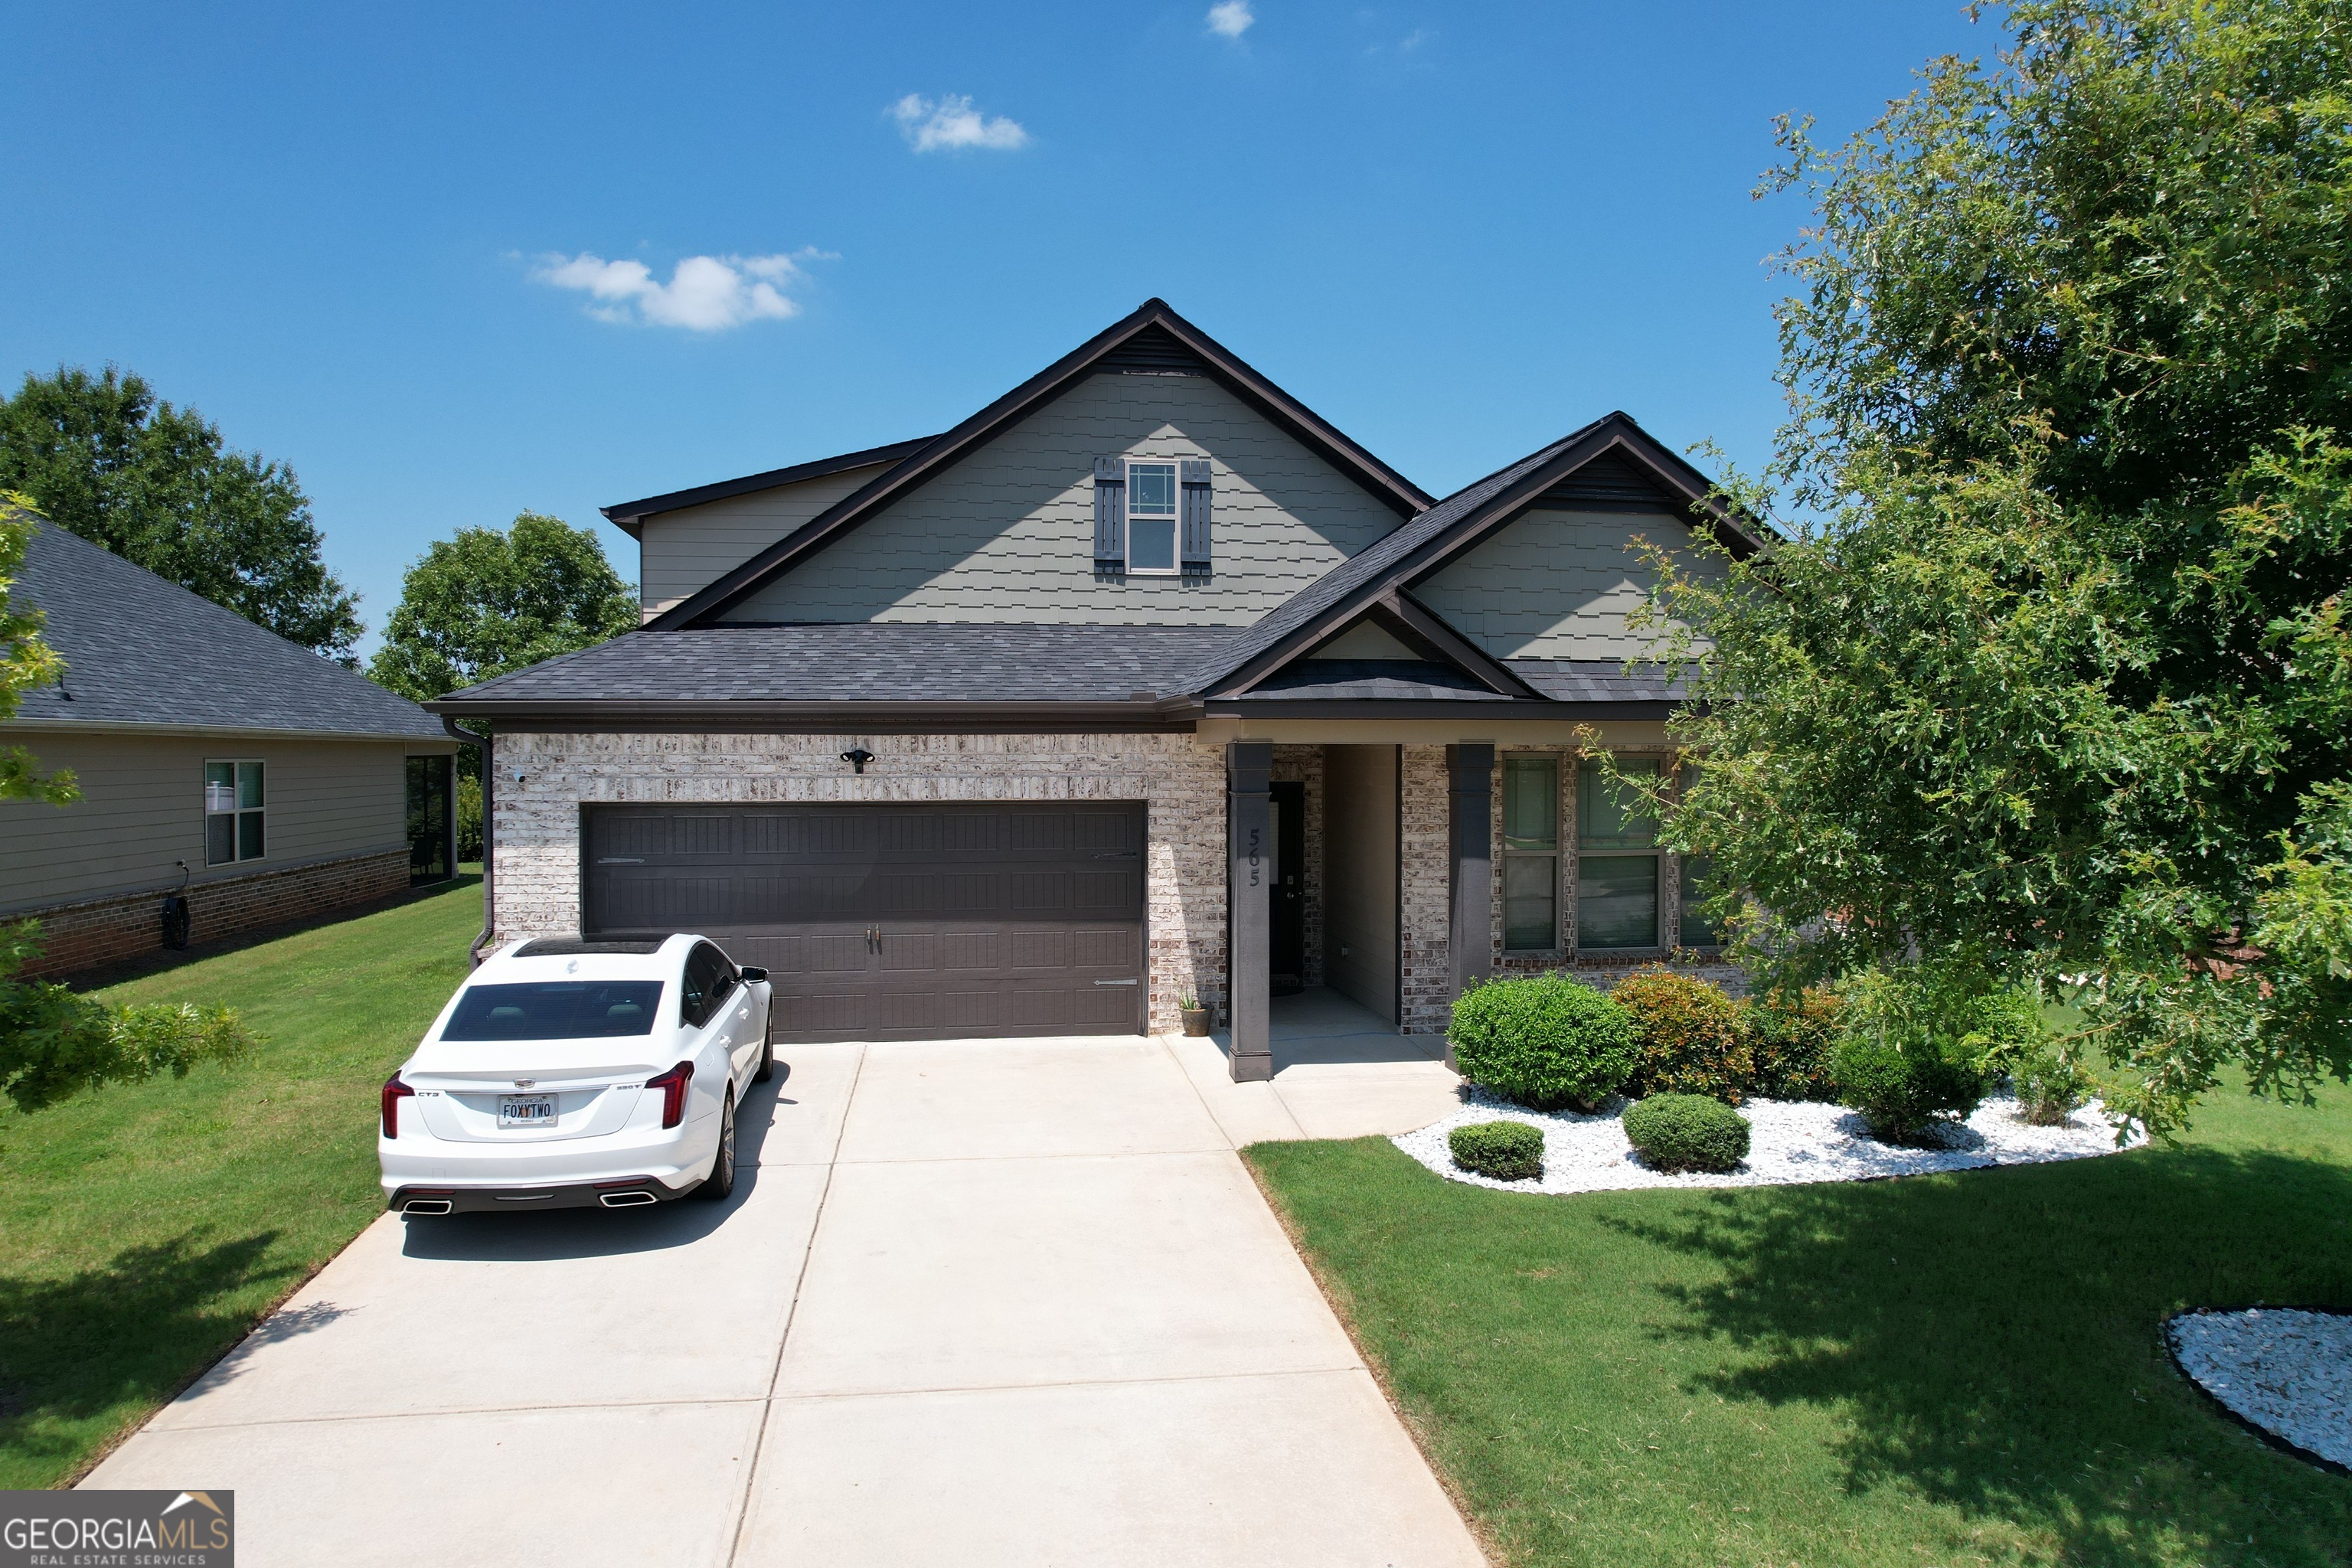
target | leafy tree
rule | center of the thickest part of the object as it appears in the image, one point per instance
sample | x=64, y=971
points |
x=25, y=662
x=55, y=1044
x=2055, y=687
x=484, y=603
x=99, y=455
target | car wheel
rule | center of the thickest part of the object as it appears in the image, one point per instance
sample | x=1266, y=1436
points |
x=766, y=1062
x=720, y=1187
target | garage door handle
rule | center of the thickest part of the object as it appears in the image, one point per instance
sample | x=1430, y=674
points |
x=1118, y=855
x=620, y=860
x=1114, y=982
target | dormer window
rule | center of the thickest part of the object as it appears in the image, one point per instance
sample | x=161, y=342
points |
x=1152, y=519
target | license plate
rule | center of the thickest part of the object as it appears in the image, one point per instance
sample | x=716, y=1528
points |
x=526, y=1109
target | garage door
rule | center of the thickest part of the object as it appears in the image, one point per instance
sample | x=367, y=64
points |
x=893, y=922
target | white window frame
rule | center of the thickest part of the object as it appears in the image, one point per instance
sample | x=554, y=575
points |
x=1175, y=515
x=234, y=812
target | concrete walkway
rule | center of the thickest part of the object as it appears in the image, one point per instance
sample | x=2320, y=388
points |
x=973, y=1302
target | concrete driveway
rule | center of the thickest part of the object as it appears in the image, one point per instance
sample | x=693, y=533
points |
x=973, y=1302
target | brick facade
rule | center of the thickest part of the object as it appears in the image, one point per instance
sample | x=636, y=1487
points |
x=536, y=836
x=129, y=925
x=1425, y=972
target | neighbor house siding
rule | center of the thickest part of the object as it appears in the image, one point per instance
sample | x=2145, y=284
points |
x=1182, y=783
x=1559, y=584
x=679, y=553
x=142, y=809
x=1007, y=534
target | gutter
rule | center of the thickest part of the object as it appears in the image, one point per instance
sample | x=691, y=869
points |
x=490, y=779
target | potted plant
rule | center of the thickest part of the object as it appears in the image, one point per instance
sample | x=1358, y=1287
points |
x=1196, y=1017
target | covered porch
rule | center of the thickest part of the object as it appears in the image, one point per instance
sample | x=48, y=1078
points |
x=1369, y=884
x=1333, y=1069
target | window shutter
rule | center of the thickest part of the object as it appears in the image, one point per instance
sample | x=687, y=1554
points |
x=1193, y=550
x=1110, y=514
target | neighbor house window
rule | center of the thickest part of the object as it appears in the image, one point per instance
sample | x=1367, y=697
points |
x=1617, y=861
x=233, y=804
x=1530, y=854
x=1152, y=519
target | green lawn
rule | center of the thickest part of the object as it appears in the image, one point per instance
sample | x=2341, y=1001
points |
x=1938, y=1369
x=145, y=1229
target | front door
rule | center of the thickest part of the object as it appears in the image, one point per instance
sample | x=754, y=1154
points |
x=1287, y=912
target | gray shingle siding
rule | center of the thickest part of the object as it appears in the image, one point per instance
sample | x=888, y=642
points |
x=1006, y=535
x=1559, y=585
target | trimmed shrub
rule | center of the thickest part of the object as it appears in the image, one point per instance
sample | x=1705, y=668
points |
x=1788, y=1044
x=1899, y=1089
x=1917, y=1044
x=2049, y=1088
x=1690, y=1033
x=1545, y=1041
x=1505, y=1151
x=1687, y=1133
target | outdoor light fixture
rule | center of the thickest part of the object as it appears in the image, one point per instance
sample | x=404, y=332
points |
x=857, y=757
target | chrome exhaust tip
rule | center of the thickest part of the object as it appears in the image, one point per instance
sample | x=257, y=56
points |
x=636, y=1197
x=425, y=1206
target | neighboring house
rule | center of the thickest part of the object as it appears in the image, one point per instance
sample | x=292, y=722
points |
x=210, y=753
x=1142, y=682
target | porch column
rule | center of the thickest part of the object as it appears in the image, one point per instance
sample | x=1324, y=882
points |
x=1470, y=863
x=1249, y=876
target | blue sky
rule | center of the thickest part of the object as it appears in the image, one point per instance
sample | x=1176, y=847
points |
x=430, y=256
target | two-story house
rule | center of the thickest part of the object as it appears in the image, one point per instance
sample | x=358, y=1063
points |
x=1143, y=682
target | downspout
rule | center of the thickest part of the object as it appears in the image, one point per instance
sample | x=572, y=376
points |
x=490, y=778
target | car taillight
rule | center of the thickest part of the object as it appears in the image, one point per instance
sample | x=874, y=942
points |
x=394, y=1091
x=673, y=1085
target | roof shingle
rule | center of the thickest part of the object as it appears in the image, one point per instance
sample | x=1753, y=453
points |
x=140, y=650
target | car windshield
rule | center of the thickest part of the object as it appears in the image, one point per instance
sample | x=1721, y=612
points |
x=555, y=1010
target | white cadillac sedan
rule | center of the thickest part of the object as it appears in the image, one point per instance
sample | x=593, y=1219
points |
x=569, y=1073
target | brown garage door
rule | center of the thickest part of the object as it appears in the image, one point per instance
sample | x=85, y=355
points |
x=893, y=922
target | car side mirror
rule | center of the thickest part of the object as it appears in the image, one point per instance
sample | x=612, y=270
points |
x=752, y=972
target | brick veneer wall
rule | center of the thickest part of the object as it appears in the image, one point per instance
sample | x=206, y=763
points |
x=129, y=925
x=1304, y=765
x=1425, y=971
x=536, y=836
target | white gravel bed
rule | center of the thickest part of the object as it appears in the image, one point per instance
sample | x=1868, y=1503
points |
x=1789, y=1141
x=2285, y=1371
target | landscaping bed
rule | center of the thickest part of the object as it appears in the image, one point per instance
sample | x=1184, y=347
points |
x=1792, y=1141
x=2284, y=1372
x=1951, y=1369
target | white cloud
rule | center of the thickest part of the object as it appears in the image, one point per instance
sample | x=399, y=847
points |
x=704, y=294
x=1230, y=18
x=953, y=123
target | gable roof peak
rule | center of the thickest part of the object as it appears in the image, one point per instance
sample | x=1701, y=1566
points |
x=943, y=452
x=1389, y=565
